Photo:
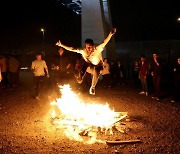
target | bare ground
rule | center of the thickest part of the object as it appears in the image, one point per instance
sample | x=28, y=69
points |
x=26, y=124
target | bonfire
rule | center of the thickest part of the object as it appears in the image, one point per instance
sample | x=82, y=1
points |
x=79, y=118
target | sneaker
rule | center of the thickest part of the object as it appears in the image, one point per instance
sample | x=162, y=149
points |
x=154, y=97
x=146, y=93
x=92, y=91
x=157, y=99
x=142, y=92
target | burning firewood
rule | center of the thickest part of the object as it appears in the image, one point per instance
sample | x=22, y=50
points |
x=79, y=118
x=123, y=142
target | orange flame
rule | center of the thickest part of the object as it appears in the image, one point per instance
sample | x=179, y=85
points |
x=76, y=115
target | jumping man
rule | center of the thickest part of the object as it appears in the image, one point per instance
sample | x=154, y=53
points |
x=93, y=56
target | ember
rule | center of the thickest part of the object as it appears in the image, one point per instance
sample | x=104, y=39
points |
x=79, y=119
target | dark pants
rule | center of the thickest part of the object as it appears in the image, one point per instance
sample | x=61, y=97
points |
x=106, y=80
x=136, y=78
x=5, y=80
x=144, y=83
x=156, y=80
x=38, y=81
x=176, y=90
x=14, y=78
x=0, y=88
x=62, y=77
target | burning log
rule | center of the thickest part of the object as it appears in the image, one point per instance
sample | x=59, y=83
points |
x=79, y=118
x=123, y=142
x=116, y=121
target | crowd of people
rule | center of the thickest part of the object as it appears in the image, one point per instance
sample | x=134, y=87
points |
x=144, y=71
x=113, y=74
x=9, y=71
x=88, y=69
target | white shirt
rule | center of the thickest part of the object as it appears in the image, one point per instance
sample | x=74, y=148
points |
x=95, y=57
x=38, y=67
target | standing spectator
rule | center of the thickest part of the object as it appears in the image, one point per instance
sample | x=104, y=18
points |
x=135, y=72
x=106, y=73
x=143, y=72
x=113, y=72
x=62, y=66
x=38, y=67
x=3, y=65
x=14, y=71
x=120, y=73
x=156, y=74
x=176, y=90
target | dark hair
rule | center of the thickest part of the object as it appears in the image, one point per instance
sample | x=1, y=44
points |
x=105, y=59
x=38, y=53
x=90, y=41
x=155, y=52
x=143, y=56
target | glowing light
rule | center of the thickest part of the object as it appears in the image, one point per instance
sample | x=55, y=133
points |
x=78, y=117
x=42, y=29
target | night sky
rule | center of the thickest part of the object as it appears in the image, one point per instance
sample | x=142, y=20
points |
x=135, y=20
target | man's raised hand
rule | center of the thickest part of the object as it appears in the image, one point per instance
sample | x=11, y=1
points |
x=58, y=43
x=113, y=31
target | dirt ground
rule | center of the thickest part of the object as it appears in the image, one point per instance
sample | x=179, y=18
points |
x=26, y=124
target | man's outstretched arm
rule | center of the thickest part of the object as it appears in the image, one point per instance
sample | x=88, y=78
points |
x=66, y=47
x=112, y=32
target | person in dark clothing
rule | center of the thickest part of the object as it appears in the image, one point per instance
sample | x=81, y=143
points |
x=143, y=72
x=176, y=89
x=156, y=68
x=62, y=67
x=113, y=72
x=120, y=73
x=14, y=66
x=106, y=73
x=135, y=73
x=4, y=71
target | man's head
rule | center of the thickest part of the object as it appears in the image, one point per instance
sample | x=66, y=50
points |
x=38, y=56
x=143, y=58
x=105, y=60
x=89, y=45
x=155, y=55
x=61, y=51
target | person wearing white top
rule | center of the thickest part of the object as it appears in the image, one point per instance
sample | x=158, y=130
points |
x=106, y=73
x=38, y=67
x=93, y=56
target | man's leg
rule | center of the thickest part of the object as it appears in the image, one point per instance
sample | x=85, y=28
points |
x=79, y=75
x=35, y=84
x=95, y=77
x=158, y=87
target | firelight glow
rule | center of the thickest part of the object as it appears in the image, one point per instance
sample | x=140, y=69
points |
x=77, y=115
